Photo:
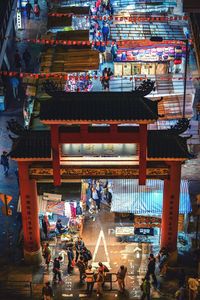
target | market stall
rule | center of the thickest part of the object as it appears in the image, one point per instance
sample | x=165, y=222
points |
x=142, y=206
x=157, y=60
x=67, y=60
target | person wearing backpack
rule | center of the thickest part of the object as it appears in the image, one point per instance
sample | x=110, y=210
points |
x=86, y=254
x=36, y=10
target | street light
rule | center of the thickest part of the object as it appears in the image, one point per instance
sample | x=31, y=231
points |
x=160, y=39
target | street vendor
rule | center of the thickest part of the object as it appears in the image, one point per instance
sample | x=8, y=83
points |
x=60, y=228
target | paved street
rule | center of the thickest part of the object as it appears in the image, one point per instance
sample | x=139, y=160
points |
x=99, y=236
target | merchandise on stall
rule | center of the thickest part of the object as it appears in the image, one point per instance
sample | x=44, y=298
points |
x=69, y=214
x=148, y=60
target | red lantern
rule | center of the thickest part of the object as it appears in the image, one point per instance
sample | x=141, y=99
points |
x=177, y=61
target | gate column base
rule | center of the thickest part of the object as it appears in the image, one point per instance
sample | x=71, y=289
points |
x=173, y=258
x=33, y=258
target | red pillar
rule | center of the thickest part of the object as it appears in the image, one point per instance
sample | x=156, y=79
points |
x=30, y=219
x=171, y=194
x=55, y=154
x=143, y=154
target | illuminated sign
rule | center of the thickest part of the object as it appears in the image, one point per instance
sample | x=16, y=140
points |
x=19, y=19
x=99, y=149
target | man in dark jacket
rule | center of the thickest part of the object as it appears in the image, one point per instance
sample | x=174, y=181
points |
x=27, y=58
x=5, y=162
x=151, y=269
x=70, y=256
x=79, y=245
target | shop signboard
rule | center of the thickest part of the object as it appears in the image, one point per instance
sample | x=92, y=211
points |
x=52, y=197
x=124, y=231
x=144, y=231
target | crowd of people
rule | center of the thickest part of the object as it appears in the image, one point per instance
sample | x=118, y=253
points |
x=79, y=256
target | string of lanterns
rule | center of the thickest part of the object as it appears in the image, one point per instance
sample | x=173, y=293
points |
x=81, y=77
x=120, y=18
x=90, y=43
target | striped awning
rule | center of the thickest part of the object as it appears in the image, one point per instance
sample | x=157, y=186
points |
x=129, y=197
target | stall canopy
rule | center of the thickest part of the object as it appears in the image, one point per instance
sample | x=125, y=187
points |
x=129, y=197
x=69, y=60
x=73, y=35
x=58, y=22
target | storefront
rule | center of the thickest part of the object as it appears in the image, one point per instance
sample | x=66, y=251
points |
x=149, y=61
x=142, y=206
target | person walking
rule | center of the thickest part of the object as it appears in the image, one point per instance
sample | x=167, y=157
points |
x=79, y=244
x=47, y=291
x=46, y=253
x=15, y=87
x=36, y=10
x=45, y=226
x=100, y=281
x=17, y=60
x=5, y=162
x=29, y=9
x=146, y=289
x=89, y=279
x=27, y=58
x=151, y=269
x=104, y=269
x=70, y=256
x=82, y=267
x=56, y=269
x=105, y=32
x=121, y=275
x=96, y=198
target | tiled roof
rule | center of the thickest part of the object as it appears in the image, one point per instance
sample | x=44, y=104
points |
x=33, y=144
x=55, y=22
x=98, y=106
x=165, y=144
x=161, y=144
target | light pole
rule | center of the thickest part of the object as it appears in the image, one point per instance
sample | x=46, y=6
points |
x=160, y=39
x=185, y=74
